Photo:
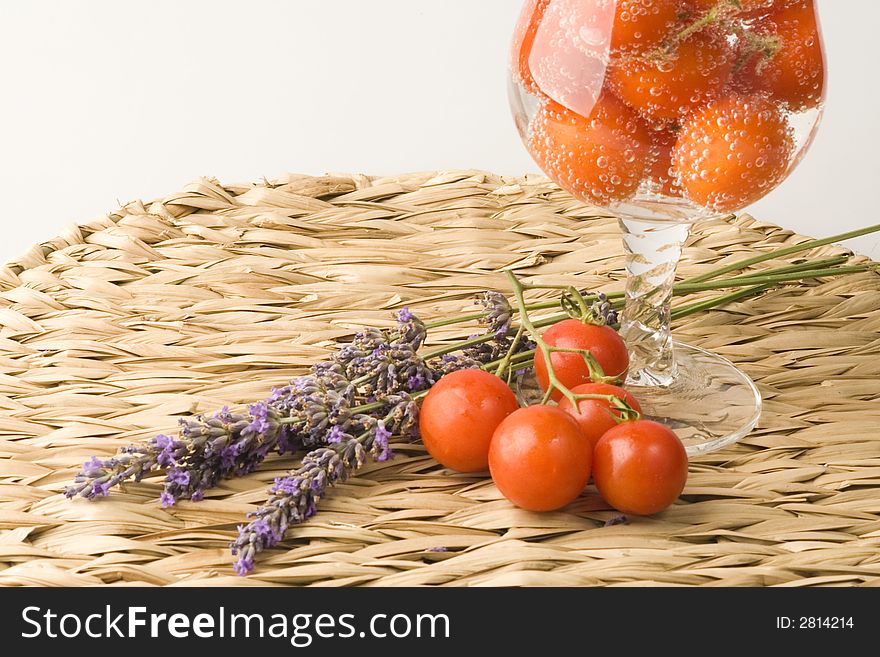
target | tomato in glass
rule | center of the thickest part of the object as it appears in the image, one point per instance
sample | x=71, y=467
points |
x=664, y=88
x=459, y=415
x=792, y=71
x=603, y=343
x=596, y=416
x=641, y=24
x=539, y=458
x=640, y=467
x=601, y=157
x=733, y=151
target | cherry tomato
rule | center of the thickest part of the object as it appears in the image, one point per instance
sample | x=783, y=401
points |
x=603, y=343
x=641, y=24
x=793, y=70
x=665, y=88
x=539, y=459
x=600, y=158
x=661, y=171
x=524, y=39
x=596, y=416
x=732, y=152
x=640, y=467
x=459, y=415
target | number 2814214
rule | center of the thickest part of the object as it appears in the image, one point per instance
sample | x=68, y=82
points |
x=814, y=622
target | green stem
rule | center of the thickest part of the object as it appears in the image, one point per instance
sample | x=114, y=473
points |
x=712, y=274
x=769, y=276
x=690, y=309
x=777, y=253
x=754, y=279
x=804, y=266
x=511, y=351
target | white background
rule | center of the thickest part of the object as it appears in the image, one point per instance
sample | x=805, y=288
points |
x=105, y=101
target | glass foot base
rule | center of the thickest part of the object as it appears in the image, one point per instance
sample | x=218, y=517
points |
x=709, y=404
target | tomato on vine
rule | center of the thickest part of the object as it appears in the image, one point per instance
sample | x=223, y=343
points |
x=459, y=416
x=640, y=467
x=603, y=343
x=539, y=458
x=597, y=416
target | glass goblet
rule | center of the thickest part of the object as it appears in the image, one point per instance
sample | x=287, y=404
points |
x=666, y=112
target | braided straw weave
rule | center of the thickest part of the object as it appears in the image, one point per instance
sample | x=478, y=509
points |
x=215, y=294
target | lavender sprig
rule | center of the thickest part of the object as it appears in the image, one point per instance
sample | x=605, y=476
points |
x=498, y=313
x=382, y=364
x=293, y=499
x=210, y=448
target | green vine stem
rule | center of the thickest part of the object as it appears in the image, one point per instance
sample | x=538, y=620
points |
x=778, y=253
x=787, y=274
x=546, y=351
x=709, y=275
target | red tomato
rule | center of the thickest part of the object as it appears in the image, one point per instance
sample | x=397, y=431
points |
x=539, y=459
x=603, y=342
x=794, y=73
x=599, y=158
x=459, y=415
x=640, y=467
x=640, y=24
x=669, y=87
x=732, y=152
x=596, y=416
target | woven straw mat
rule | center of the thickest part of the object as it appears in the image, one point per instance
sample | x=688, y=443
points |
x=217, y=293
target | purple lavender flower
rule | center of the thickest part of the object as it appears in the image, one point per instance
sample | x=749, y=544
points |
x=335, y=435
x=382, y=364
x=498, y=313
x=231, y=444
x=93, y=467
x=410, y=329
x=294, y=499
x=380, y=450
x=178, y=476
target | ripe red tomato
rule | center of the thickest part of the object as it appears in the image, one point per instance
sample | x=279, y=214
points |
x=732, y=152
x=539, y=459
x=603, y=342
x=600, y=158
x=794, y=73
x=596, y=416
x=640, y=467
x=661, y=171
x=459, y=415
x=669, y=87
x=640, y=24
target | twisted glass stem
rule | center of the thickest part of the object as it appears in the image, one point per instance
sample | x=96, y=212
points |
x=652, y=254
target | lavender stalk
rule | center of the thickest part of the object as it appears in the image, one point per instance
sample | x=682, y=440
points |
x=294, y=498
